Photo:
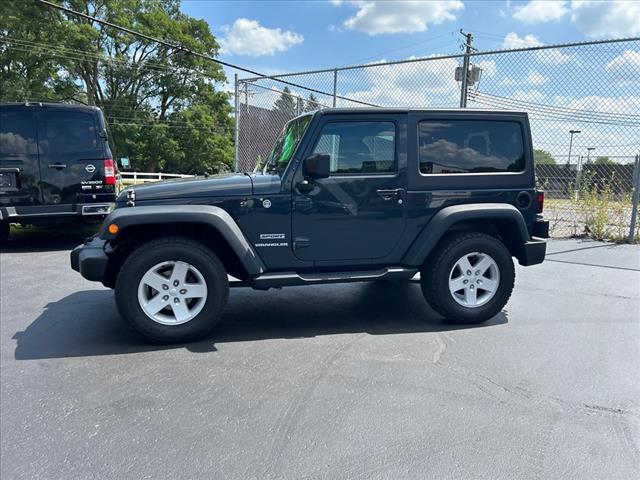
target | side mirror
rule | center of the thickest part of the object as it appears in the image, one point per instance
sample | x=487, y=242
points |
x=316, y=166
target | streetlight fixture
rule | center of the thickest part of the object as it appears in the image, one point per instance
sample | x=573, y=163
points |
x=572, y=132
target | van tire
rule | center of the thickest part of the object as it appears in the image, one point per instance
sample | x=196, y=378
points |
x=5, y=229
x=441, y=271
x=204, y=271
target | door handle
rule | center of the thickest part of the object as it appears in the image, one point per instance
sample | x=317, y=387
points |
x=389, y=194
x=57, y=166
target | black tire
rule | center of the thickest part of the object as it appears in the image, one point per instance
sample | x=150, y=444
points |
x=4, y=231
x=172, y=249
x=437, y=269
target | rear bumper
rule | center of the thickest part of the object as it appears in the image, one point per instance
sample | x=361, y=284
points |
x=60, y=212
x=90, y=259
x=533, y=252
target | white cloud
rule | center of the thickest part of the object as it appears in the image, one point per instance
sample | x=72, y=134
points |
x=535, y=78
x=539, y=11
x=621, y=105
x=512, y=41
x=489, y=68
x=625, y=68
x=552, y=56
x=534, y=96
x=248, y=37
x=428, y=83
x=606, y=19
x=375, y=18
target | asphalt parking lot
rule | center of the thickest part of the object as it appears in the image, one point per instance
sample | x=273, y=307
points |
x=341, y=381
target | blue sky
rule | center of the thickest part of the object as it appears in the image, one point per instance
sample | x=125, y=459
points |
x=301, y=35
x=280, y=37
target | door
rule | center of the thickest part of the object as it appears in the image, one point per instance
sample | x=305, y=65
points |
x=71, y=155
x=19, y=167
x=356, y=213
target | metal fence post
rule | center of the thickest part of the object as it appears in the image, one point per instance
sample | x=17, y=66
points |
x=636, y=197
x=237, y=122
x=335, y=86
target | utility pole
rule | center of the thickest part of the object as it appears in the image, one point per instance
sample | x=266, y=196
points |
x=465, y=69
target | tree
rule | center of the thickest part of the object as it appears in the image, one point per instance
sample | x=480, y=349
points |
x=603, y=161
x=286, y=105
x=311, y=104
x=147, y=91
x=542, y=157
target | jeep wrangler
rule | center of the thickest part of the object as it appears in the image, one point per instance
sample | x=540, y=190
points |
x=346, y=195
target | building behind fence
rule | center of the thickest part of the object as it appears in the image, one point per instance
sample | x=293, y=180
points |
x=591, y=88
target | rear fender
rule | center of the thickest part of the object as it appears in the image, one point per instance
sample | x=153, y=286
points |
x=443, y=221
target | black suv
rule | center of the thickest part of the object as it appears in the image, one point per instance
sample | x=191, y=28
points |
x=345, y=196
x=55, y=164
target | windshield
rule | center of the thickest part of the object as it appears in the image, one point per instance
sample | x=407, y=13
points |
x=286, y=144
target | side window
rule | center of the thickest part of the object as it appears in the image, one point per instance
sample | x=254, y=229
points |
x=359, y=147
x=68, y=132
x=17, y=133
x=470, y=146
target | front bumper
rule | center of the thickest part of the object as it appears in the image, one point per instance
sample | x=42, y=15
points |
x=90, y=259
x=533, y=252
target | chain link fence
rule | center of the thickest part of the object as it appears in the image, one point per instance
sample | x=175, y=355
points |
x=583, y=102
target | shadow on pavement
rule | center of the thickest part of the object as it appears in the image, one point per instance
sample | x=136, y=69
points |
x=87, y=323
x=42, y=239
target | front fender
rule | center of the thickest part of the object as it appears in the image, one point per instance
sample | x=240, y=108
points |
x=215, y=217
x=442, y=221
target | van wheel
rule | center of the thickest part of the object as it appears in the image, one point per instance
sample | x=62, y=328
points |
x=469, y=278
x=172, y=290
x=4, y=231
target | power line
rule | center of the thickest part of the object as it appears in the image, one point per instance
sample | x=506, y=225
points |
x=187, y=50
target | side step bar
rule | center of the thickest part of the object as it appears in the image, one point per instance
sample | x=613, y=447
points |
x=287, y=279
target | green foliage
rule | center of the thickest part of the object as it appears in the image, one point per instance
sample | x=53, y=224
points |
x=286, y=104
x=542, y=157
x=606, y=215
x=603, y=161
x=163, y=106
x=311, y=104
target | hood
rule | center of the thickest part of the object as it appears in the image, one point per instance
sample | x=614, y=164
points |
x=227, y=185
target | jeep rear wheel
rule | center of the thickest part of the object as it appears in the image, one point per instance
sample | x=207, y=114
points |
x=172, y=290
x=468, y=278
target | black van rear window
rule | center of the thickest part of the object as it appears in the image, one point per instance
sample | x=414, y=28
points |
x=69, y=132
x=17, y=133
x=470, y=146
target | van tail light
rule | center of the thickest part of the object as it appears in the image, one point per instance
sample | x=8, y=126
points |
x=539, y=202
x=109, y=172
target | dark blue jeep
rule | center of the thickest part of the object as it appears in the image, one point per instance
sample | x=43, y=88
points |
x=345, y=196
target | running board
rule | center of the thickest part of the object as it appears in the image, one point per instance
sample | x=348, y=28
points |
x=288, y=279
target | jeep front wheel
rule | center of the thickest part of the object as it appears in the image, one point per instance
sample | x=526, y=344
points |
x=469, y=278
x=172, y=290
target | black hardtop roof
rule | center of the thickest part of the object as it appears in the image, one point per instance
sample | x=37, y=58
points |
x=47, y=105
x=374, y=110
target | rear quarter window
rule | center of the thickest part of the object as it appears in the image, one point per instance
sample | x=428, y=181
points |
x=448, y=147
x=68, y=132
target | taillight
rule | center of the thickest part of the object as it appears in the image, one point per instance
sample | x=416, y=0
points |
x=109, y=172
x=539, y=202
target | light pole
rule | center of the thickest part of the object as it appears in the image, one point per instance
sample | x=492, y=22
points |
x=579, y=172
x=572, y=132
